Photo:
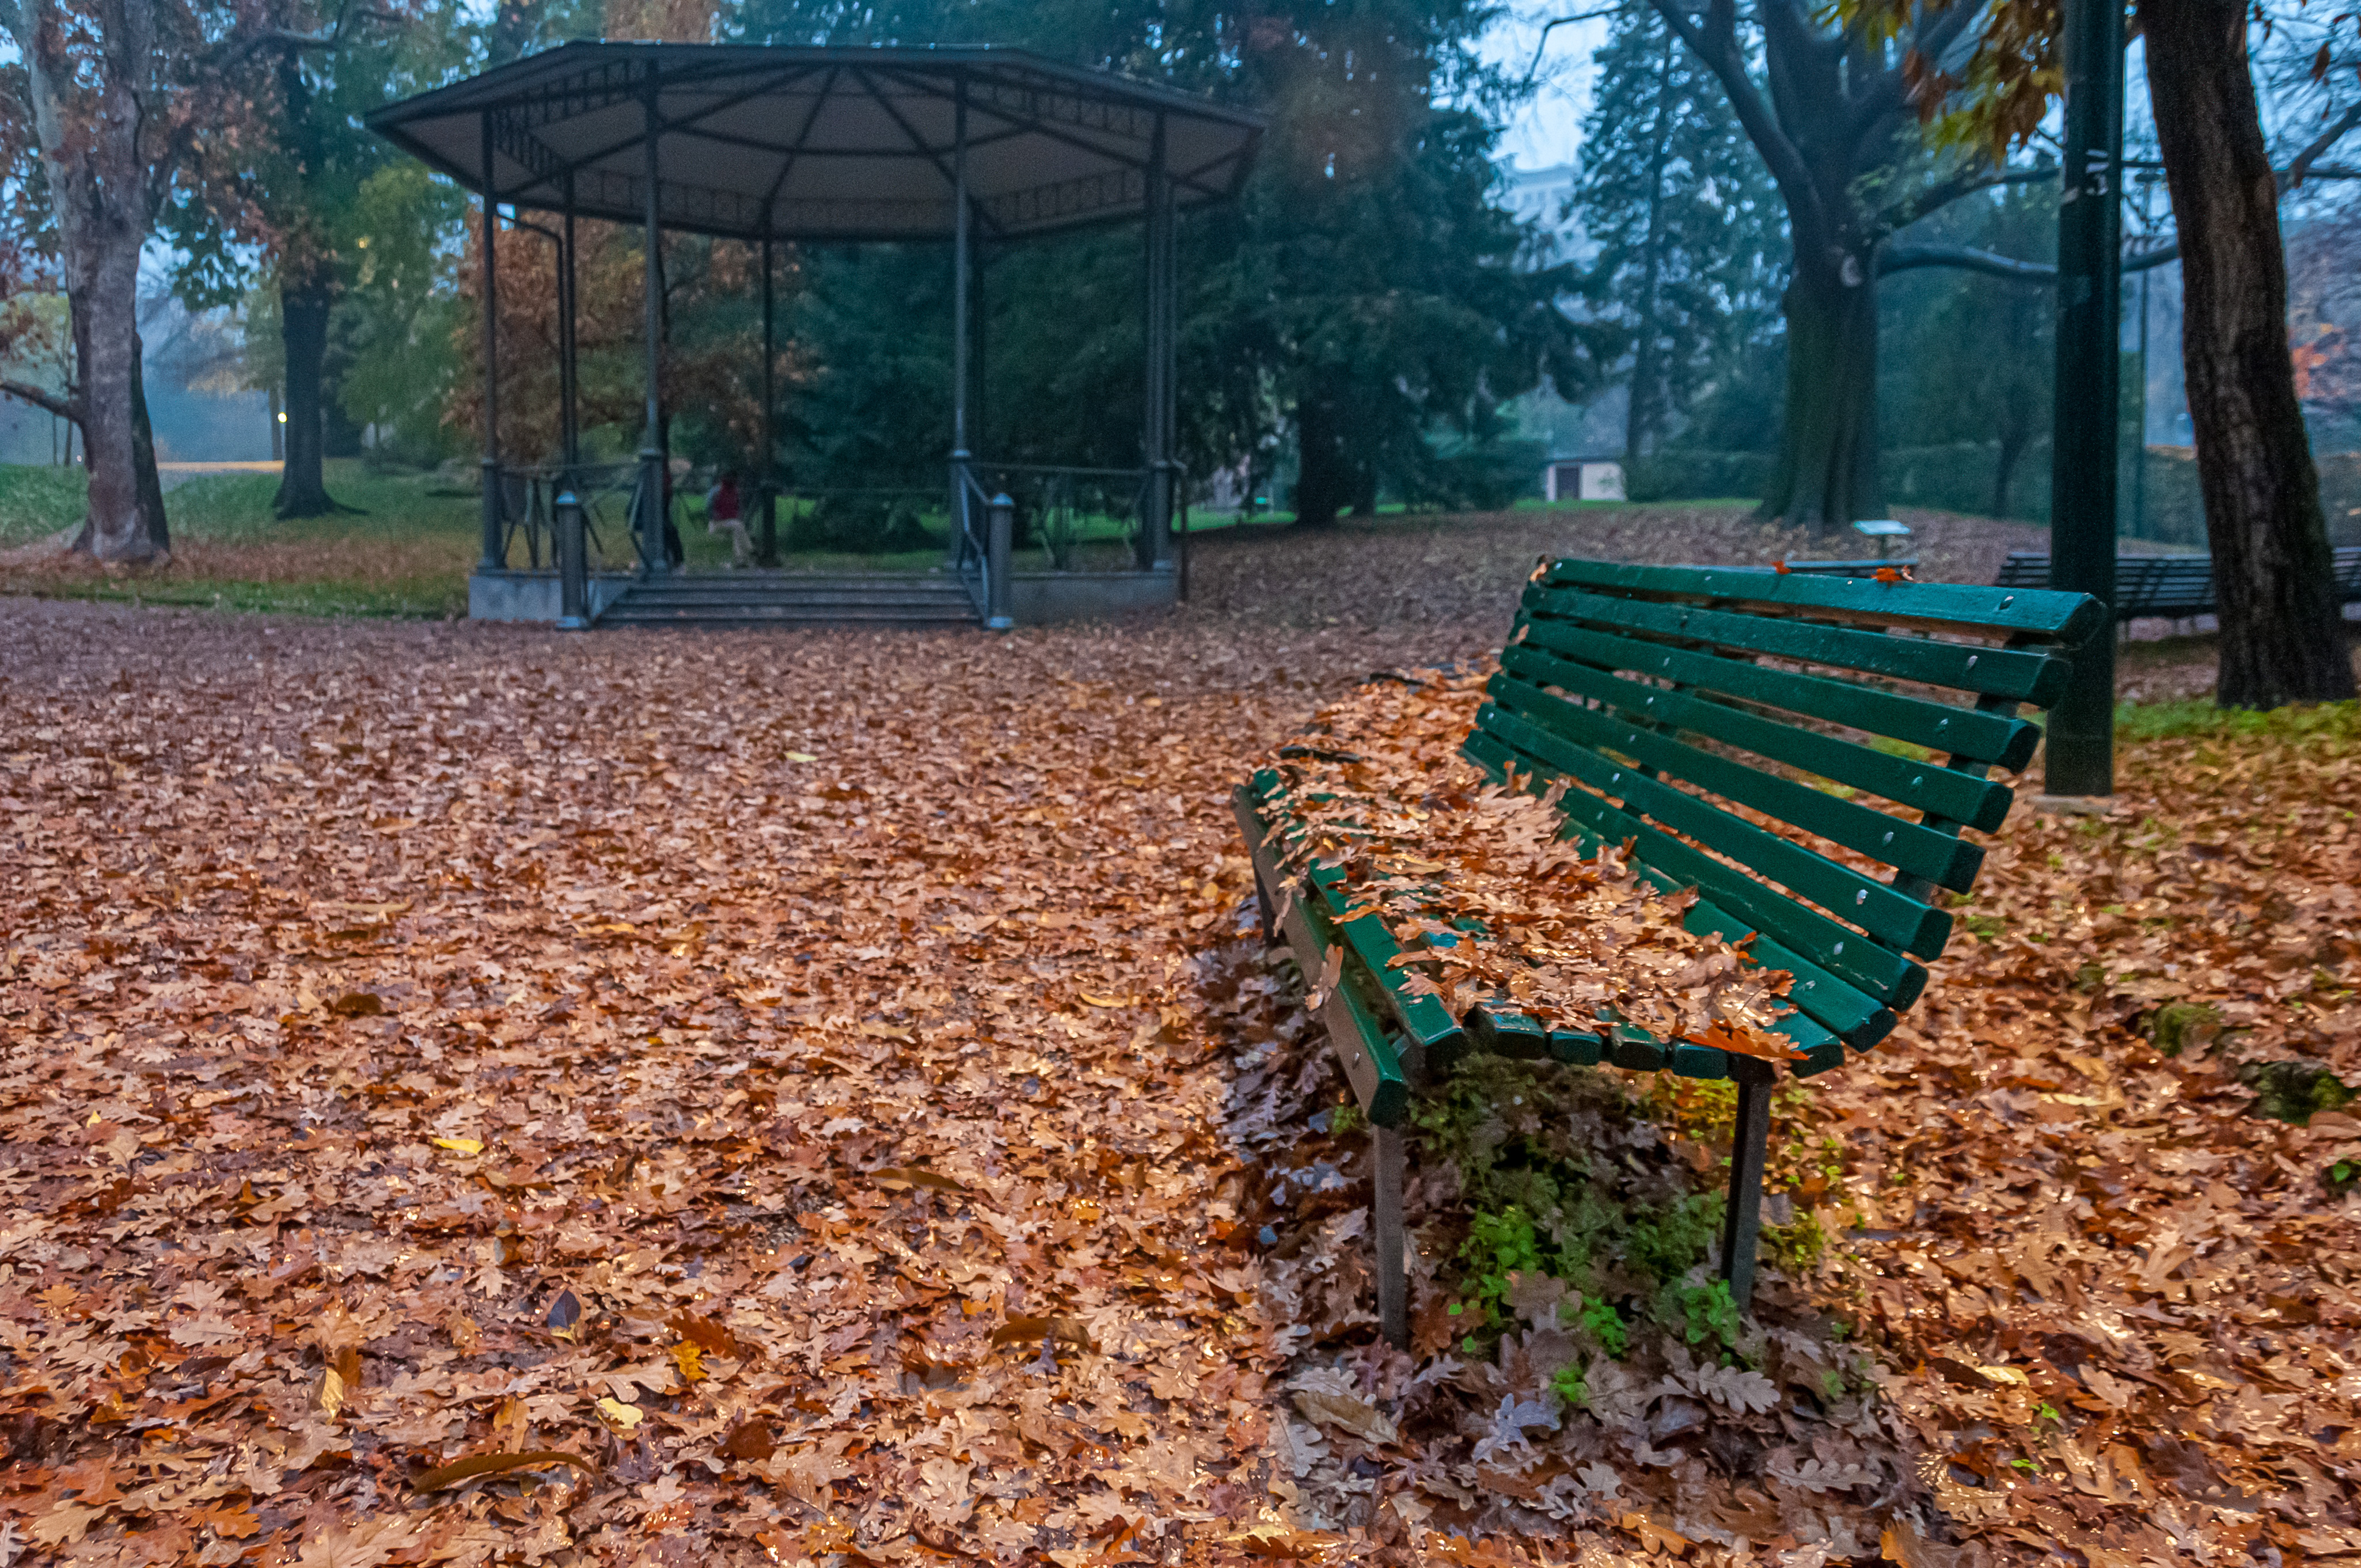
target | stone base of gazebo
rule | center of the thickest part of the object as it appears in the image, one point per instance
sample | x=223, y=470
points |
x=798, y=598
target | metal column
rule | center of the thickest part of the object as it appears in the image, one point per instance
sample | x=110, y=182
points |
x=961, y=456
x=651, y=457
x=569, y=374
x=766, y=471
x=1161, y=329
x=495, y=554
x=2079, y=753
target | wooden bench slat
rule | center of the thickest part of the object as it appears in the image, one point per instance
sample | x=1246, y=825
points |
x=1980, y=803
x=2056, y=616
x=1960, y=732
x=1878, y=971
x=1942, y=858
x=1983, y=669
x=1355, y=1032
x=2006, y=742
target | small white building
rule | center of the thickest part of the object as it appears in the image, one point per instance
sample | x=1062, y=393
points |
x=1583, y=479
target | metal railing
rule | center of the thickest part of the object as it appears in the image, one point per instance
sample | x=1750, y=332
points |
x=528, y=507
x=1064, y=510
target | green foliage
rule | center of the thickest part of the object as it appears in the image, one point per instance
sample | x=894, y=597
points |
x=2181, y=1025
x=1363, y=298
x=2294, y=1090
x=1797, y=1246
x=394, y=327
x=1700, y=1313
x=1570, y=1386
x=1535, y=1204
x=1690, y=227
x=1966, y=357
x=39, y=500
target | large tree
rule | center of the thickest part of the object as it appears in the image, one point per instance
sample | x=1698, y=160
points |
x=1363, y=294
x=1686, y=223
x=2283, y=637
x=97, y=79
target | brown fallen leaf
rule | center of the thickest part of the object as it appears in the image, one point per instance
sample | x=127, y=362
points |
x=1022, y=1329
x=358, y=1004
x=913, y=1176
x=477, y=1464
x=751, y=1441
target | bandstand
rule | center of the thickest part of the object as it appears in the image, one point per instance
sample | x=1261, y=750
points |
x=769, y=146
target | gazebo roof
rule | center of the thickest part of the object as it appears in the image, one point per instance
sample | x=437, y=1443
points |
x=825, y=144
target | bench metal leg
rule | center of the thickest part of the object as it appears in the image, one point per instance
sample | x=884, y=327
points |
x=1393, y=1276
x=1741, y=1225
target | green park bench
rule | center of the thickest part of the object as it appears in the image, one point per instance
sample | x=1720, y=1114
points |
x=2168, y=588
x=1863, y=717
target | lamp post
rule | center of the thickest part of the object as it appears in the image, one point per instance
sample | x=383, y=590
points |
x=2079, y=753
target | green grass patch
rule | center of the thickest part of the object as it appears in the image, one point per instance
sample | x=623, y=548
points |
x=2195, y=718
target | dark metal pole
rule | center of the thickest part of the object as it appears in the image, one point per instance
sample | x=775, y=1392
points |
x=2139, y=446
x=1156, y=440
x=570, y=369
x=495, y=554
x=767, y=476
x=2085, y=445
x=961, y=456
x=651, y=456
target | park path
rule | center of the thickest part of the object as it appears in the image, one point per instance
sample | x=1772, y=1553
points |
x=766, y=1069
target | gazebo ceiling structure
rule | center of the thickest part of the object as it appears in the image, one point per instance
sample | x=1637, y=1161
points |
x=754, y=141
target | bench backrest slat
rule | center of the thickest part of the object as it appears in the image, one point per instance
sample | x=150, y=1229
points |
x=1938, y=726
x=1977, y=803
x=1716, y=720
x=1981, y=669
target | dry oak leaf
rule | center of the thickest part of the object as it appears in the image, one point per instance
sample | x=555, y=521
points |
x=477, y=1464
x=1024, y=1330
x=1329, y=1398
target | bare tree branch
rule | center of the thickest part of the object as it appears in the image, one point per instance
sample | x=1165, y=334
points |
x=1992, y=264
x=1895, y=259
x=42, y=398
x=1556, y=22
x=2300, y=164
x=1943, y=192
x=1720, y=54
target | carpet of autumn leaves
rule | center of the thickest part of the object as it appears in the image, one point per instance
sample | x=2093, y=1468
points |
x=824, y=1086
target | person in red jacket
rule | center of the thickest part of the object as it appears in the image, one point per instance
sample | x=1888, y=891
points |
x=721, y=515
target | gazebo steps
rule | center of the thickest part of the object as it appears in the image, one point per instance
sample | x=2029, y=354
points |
x=767, y=599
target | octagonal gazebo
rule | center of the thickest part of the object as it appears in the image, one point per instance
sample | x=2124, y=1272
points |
x=765, y=145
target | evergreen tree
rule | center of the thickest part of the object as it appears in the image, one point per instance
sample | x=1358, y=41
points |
x=1689, y=226
x=1364, y=295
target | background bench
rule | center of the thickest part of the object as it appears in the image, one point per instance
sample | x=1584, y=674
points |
x=2176, y=587
x=1861, y=717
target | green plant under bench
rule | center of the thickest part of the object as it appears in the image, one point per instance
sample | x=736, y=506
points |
x=1683, y=707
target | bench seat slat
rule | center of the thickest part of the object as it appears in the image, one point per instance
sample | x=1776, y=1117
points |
x=1938, y=726
x=1942, y=858
x=1961, y=798
x=1886, y=915
x=2032, y=612
x=1981, y=668
x=1877, y=971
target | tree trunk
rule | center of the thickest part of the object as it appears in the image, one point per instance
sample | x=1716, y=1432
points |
x=302, y=486
x=106, y=344
x=2012, y=438
x=143, y=452
x=86, y=120
x=1827, y=473
x=2283, y=637
x=1325, y=481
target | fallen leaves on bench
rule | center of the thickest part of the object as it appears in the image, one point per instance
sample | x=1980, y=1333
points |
x=1494, y=907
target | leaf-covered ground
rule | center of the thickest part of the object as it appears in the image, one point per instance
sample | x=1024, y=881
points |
x=825, y=1087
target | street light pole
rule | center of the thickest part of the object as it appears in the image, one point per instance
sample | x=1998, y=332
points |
x=2079, y=752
